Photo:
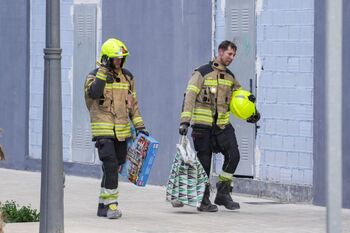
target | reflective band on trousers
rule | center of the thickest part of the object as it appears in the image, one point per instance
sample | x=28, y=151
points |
x=108, y=196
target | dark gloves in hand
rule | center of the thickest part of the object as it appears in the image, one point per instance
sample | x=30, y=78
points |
x=183, y=129
x=104, y=69
x=254, y=118
x=106, y=62
x=143, y=131
x=252, y=98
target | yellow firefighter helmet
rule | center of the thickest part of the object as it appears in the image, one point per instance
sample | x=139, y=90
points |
x=242, y=104
x=114, y=48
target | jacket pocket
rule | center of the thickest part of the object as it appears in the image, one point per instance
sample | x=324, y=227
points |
x=107, y=101
x=204, y=96
x=129, y=102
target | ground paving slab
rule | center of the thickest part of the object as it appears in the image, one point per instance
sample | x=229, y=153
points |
x=146, y=211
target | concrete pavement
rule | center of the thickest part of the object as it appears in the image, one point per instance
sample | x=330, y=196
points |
x=145, y=210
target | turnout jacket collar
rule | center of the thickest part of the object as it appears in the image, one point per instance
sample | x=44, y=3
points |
x=216, y=65
x=208, y=95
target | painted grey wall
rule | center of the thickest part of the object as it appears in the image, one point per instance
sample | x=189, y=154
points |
x=319, y=175
x=14, y=81
x=319, y=178
x=346, y=105
x=167, y=40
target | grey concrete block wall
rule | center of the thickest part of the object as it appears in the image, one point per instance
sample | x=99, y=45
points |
x=37, y=44
x=14, y=81
x=285, y=92
x=166, y=40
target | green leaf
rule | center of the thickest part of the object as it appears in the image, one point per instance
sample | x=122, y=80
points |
x=12, y=212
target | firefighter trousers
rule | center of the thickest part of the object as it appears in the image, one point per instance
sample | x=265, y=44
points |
x=209, y=140
x=112, y=153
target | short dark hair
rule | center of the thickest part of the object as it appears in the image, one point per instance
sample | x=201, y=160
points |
x=226, y=44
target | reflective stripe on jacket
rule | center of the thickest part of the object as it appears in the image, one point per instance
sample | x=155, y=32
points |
x=208, y=95
x=112, y=103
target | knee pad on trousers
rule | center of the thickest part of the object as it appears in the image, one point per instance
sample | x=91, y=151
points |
x=232, y=157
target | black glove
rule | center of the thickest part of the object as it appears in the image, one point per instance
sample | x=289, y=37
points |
x=106, y=62
x=183, y=128
x=142, y=130
x=252, y=98
x=107, y=67
x=254, y=118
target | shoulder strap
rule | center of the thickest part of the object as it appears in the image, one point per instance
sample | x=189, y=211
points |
x=204, y=69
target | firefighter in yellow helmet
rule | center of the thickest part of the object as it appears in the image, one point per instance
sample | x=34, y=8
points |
x=206, y=104
x=110, y=96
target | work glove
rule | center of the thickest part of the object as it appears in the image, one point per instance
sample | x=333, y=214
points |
x=254, y=118
x=105, y=68
x=252, y=98
x=183, y=129
x=106, y=62
x=142, y=130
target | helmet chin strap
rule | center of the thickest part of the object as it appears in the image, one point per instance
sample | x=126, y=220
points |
x=122, y=63
x=111, y=64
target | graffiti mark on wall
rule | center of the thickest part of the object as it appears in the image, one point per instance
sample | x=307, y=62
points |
x=243, y=44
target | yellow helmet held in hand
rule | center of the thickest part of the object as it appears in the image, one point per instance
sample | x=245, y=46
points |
x=242, y=104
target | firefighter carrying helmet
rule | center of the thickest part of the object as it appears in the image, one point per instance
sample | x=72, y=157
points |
x=113, y=48
x=242, y=104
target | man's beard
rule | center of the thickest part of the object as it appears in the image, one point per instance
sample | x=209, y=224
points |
x=227, y=63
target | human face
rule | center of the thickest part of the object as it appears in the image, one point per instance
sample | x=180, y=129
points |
x=226, y=57
x=117, y=62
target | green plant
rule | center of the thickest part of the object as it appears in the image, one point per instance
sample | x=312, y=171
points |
x=12, y=212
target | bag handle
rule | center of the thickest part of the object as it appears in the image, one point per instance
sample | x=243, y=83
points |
x=182, y=139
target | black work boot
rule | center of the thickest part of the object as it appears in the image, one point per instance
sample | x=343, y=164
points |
x=110, y=211
x=102, y=210
x=223, y=196
x=206, y=205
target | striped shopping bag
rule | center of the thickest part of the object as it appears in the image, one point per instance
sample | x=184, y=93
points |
x=187, y=179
